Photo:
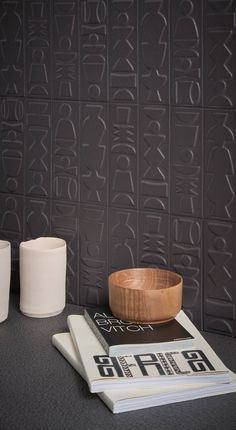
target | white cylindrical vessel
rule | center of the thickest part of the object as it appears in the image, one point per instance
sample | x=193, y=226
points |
x=5, y=276
x=42, y=277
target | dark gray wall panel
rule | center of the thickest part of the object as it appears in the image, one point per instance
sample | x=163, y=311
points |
x=37, y=218
x=153, y=239
x=93, y=244
x=12, y=174
x=12, y=26
x=94, y=153
x=65, y=151
x=220, y=54
x=64, y=224
x=123, y=232
x=93, y=47
x=123, y=162
x=117, y=124
x=219, y=276
x=220, y=161
x=153, y=39
x=154, y=158
x=186, y=258
x=65, y=49
x=37, y=48
x=186, y=162
x=38, y=148
x=122, y=51
x=186, y=53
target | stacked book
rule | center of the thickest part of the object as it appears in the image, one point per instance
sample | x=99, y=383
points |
x=132, y=366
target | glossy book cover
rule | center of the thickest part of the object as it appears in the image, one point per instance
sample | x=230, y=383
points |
x=120, y=337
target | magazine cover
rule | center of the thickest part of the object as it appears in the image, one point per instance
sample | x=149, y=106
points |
x=129, y=400
x=148, y=369
x=120, y=337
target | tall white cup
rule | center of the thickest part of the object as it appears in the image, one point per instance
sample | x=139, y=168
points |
x=5, y=276
x=42, y=277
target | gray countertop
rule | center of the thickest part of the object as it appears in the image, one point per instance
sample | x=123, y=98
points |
x=39, y=390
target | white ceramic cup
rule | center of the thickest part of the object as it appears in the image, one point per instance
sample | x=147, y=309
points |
x=42, y=277
x=5, y=276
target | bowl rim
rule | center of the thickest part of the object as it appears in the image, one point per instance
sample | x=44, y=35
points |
x=179, y=278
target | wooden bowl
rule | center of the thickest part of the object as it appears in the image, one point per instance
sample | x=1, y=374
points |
x=145, y=295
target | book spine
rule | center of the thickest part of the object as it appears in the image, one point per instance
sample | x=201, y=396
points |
x=96, y=331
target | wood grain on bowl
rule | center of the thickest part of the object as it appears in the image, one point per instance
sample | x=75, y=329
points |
x=145, y=294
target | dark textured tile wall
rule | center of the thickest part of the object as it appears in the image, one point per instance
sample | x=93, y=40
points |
x=118, y=125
